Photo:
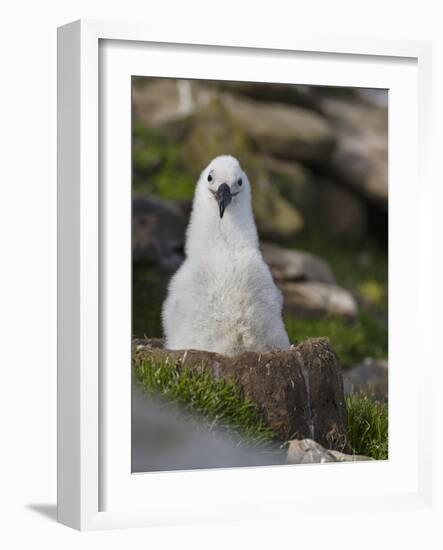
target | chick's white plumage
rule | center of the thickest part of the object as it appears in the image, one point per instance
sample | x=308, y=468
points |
x=223, y=297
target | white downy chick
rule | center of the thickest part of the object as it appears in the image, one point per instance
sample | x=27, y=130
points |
x=223, y=298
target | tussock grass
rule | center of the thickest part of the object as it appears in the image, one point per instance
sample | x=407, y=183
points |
x=216, y=402
x=367, y=426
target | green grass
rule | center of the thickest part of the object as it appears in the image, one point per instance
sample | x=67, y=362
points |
x=215, y=401
x=352, y=342
x=158, y=168
x=367, y=426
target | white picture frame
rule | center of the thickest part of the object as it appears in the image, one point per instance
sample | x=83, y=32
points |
x=95, y=488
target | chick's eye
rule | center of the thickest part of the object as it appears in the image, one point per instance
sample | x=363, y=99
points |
x=209, y=177
x=239, y=182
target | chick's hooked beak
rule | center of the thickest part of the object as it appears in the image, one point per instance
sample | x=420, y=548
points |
x=223, y=197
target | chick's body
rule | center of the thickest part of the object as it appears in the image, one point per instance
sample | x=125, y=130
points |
x=223, y=297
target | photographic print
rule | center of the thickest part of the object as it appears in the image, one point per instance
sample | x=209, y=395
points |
x=259, y=274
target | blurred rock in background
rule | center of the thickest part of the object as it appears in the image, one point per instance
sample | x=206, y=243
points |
x=370, y=376
x=300, y=145
x=158, y=229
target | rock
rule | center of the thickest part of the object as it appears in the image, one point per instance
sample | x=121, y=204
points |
x=276, y=218
x=299, y=392
x=214, y=134
x=341, y=211
x=168, y=103
x=294, y=181
x=293, y=94
x=361, y=156
x=307, y=451
x=370, y=377
x=295, y=265
x=343, y=457
x=287, y=132
x=337, y=208
x=373, y=96
x=315, y=298
x=140, y=343
x=158, y=230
